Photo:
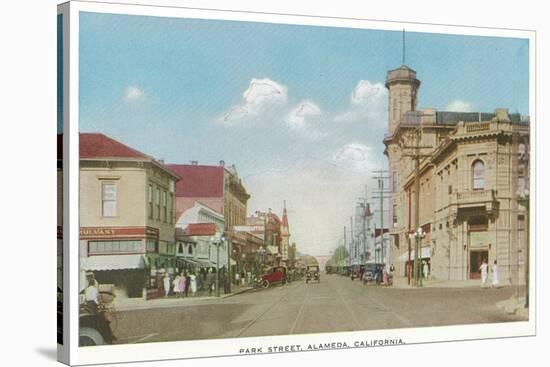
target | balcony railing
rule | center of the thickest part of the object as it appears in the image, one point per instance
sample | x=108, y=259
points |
x=476, y=198
x=476, y=127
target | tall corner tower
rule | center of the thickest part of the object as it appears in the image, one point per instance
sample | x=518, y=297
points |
x=403, y=90
x=285, y=234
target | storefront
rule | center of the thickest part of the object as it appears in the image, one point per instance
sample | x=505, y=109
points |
x=130, y=258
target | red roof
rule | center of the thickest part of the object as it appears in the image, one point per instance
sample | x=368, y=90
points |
x=96, y=145
x=198, y=181
x=200, y=229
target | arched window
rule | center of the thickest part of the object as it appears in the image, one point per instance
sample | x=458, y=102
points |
x=190, y=249
x=478, y=175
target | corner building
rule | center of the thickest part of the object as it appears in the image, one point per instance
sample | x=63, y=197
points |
x=472, y=167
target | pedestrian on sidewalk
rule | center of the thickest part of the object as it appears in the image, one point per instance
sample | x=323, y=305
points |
x=495, y=274
x=187, y=284
x=483, y=268
x=166, y=284
x=176, y=285
x=181, y=285
x=210, y=281
x=237, y=278
x=426, y=269
x=385, y=276
x=193, y=280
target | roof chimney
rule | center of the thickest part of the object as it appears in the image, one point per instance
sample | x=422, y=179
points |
x=222, y=163
x=194, y=163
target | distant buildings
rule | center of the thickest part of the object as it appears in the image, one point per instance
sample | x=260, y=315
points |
x=362, y=247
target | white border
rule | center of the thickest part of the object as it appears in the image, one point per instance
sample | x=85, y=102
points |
x=225, y=347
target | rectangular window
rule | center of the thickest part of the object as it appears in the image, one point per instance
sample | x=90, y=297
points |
x=395, y=181
x=450, y=189
x=114, y=247
x=152, y=246
x=157, y=202
x=150, y=201
x=394, y=215
x=164, y=207
x=108, y=199
x=171, y=208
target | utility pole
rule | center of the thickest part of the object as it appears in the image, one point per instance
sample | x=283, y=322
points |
x=352, y=240
x=381, y=176
x=345, y=245
x=416, y=156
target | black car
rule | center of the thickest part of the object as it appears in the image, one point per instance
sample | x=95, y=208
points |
x=373, y=273
x=313, y=273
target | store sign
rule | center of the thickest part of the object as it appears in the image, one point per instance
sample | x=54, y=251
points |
x=118, y=232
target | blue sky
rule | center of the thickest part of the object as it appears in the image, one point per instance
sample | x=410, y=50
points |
x=277, y=99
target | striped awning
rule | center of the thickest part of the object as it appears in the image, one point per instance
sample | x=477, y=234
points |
x=112, y=262
x=425, y=253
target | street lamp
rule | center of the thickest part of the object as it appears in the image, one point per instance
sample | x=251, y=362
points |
x=523, y=197
x=417, y=236
x=218, y=240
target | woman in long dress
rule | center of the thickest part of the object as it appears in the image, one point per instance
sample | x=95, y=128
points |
x=166, y=285
x=495, y=274
x=176, y=285
x=483, y=268
x=193, y=279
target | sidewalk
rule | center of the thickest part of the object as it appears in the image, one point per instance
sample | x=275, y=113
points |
x=129, y=304
x=402, y=283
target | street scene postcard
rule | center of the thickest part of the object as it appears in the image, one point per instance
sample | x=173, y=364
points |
x=319, y=183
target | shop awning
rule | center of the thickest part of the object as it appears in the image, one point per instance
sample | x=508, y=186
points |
x=424, y=254
x=112, y=262
x=222, y=263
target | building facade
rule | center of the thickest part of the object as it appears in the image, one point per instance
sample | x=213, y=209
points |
x=470, y=170
x=220, y=189
x=127, y=216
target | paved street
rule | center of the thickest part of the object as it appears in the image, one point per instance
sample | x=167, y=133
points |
x=335, y=304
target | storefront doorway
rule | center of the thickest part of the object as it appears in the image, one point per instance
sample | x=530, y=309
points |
x=476, y=258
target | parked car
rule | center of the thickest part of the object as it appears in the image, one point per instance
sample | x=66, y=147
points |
x=94, y=326
x=313, y=273
x=373, y=273
x=94, y=319
x=274, y=275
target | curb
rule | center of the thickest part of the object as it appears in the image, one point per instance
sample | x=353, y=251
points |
x=144, y=305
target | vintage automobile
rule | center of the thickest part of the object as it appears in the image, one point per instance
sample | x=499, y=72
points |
x=373, y=273
x=95, y=319
x=274, y=275
x=313, y=273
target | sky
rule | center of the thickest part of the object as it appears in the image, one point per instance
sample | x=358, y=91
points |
x=300, y=110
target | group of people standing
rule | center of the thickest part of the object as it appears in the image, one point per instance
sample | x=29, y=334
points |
x=180, y=285
x=484, y=269
x=194, y=282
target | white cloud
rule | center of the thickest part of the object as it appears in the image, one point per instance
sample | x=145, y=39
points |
x=304, y=120
x=354, y=156
x=459, y=106
x=353, y=151
x=364, y=92
x=133, y=93
x=368, y=103
x=260, y=96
